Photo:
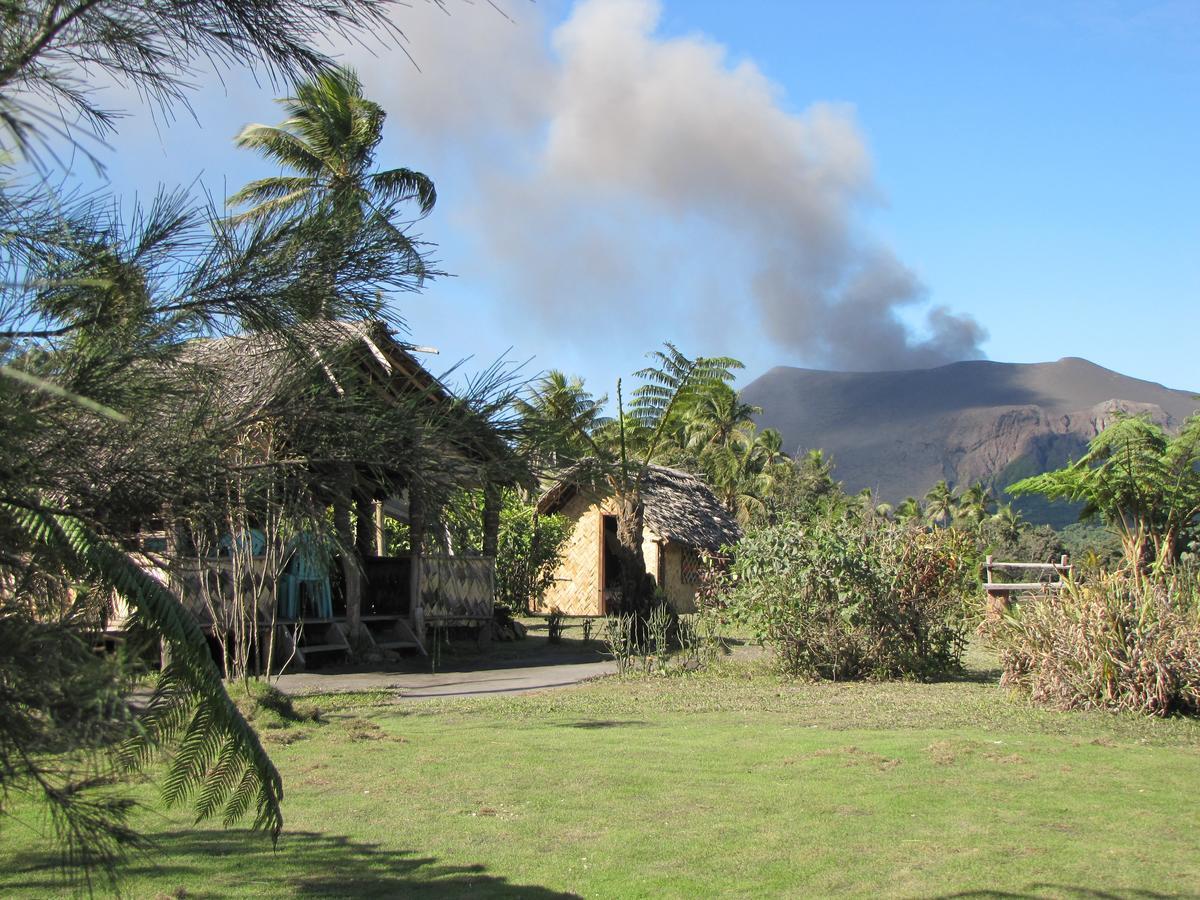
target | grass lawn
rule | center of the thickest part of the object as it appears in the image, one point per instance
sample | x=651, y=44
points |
x=729, y=783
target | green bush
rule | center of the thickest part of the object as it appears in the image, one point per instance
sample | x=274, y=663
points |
x=528, y=546
x=840, y=599
x=1093, y=546
x=1119, y=642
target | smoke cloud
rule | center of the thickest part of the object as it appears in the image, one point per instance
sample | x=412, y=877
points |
x=620, y=178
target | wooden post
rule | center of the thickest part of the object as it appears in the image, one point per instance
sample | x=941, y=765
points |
x=380, y=529
x=997, y=601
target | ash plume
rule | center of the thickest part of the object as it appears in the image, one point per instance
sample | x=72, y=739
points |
x=621, y=177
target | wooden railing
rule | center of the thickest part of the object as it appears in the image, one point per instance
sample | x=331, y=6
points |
x=999, y=593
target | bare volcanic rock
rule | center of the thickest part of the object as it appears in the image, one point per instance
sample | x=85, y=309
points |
x=899, y=432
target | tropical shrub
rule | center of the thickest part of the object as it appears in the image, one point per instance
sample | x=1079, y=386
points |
x=1092, y=546
x=1029, y=543
x=1119, y=642
x=554, y=625
x=840, y=599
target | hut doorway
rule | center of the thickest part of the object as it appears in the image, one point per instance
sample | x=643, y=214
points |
x=610, y=565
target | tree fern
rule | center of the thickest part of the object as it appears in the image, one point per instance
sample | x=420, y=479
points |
x=671, y=384
x=1144, y=483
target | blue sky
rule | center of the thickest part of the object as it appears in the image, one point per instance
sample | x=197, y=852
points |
x=787, y=183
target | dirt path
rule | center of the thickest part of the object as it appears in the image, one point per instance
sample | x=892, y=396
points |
x=411, y=686
x=517, y=668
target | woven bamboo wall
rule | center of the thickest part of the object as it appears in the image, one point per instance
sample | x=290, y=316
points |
x=576, y=580
x=680, y=595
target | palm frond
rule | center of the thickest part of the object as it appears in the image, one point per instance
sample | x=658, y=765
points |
x=284, y=148
x=216, y=738
x=401, y=185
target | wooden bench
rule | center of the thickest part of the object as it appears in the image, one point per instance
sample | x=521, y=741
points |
x=999, y=593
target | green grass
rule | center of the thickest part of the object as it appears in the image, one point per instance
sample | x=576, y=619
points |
x=730, y=783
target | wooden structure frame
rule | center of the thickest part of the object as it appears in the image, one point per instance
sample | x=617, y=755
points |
x=1000, y=593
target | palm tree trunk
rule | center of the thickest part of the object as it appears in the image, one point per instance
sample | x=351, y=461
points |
x=636, y=592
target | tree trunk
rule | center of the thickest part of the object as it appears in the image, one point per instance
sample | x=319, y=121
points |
x=491, y=519
x=351, y=565
x=416, y=538
x=636, y=591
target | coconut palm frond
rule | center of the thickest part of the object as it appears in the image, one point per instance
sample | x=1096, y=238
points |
x=283, y=147
x=278, y=187
x=400, y=185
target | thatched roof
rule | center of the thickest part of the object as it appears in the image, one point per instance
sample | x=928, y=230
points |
x=252, y=374
x=679, y=506
x=251, y=371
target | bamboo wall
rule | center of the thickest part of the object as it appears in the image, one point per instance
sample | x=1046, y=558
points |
x=681, y=595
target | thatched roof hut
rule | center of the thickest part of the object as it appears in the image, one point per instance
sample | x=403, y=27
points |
x=251, y=371
x=683, y=521
x=354, y=422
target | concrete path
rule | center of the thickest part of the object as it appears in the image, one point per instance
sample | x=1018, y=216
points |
x=470, y=683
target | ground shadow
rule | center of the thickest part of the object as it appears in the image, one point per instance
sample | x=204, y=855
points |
x=466, y=656
x=603, y=723
x=306, y=864
x=979, y=675
x=1042, y=890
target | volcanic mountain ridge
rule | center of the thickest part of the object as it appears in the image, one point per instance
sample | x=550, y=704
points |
x=900, y=432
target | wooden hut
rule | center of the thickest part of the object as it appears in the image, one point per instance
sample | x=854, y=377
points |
x=363, y=600
x=683, y=520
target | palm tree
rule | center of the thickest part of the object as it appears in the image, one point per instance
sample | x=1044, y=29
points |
x=555, y=414
x=975, y=504
x=909, y=509
x=328, y=140
x=940, y=503
x=70, y=281
x=716, y=416
x=1009, y=521
x=741, y=470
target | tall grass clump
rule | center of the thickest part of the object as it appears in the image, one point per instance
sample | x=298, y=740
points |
x=1120, y=642
x=843, y=599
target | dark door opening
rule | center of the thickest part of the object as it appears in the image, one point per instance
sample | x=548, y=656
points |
x=612, y=562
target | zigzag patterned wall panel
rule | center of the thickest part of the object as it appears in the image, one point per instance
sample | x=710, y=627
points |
x=458, y=587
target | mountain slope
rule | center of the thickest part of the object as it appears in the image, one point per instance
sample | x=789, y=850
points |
x=899, y=432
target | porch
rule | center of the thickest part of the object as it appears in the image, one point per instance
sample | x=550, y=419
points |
x=302, y=615
x=400, y=602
